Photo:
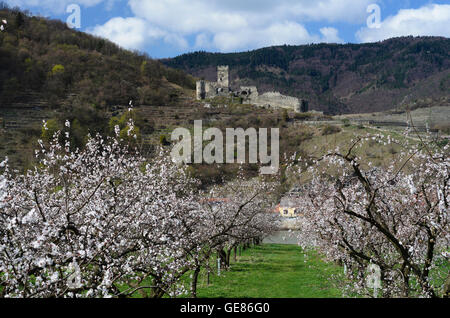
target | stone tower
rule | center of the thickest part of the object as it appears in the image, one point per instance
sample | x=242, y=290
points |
x=223, y=77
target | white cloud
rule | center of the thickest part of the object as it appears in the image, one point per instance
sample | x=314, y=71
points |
x=235, y=24
x=110, y=4
x=349, y=11
x=130, y=33
x=188, y=16
x=290, y=33
x=430, y=20
x=218, y=15
x=330, y=35
x=176, y=40
x=203, y=41
x=135, y=33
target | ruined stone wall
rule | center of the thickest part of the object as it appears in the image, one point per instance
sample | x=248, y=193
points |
x=250, y=93
x=223, y=77
x=277, y=100
x=200, y=90
x=207, y=89
x=210, y=89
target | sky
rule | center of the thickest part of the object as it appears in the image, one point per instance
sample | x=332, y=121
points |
x=167, y=28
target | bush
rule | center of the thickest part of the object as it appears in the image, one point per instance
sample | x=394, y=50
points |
x=285, y=116
x=58, y=68
x=330, y=130
x=443, y=128
x=346, y=122
x=303, y=116
x=49, y=129
x=392, y=150
x=163, y=140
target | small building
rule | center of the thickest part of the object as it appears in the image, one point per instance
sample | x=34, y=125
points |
x=288, y=208
x=287, y=212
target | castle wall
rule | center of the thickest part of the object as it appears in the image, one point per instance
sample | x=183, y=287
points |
x=207, y=89
x=250, y=93
x=200, y=90
x=223, y=77
x=210, y=89
x=277, y=100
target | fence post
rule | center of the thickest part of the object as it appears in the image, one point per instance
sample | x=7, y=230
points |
x=218, y=267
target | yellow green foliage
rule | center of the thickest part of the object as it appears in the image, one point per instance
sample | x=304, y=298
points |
x=57, y=69
x=129, y=136
x=122, y=122
x=143, y=65
x=49, y=129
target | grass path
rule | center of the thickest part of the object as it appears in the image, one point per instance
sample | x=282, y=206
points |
x=273, y=271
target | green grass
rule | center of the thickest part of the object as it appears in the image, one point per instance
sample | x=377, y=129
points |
x=273, y=271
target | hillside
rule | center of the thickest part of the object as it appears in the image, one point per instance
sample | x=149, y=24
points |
x=48, y=71
x=350, y=78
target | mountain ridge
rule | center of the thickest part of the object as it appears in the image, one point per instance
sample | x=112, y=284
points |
x=337, y=78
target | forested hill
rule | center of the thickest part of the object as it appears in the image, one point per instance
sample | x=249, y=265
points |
x=43, y=61
x=338, y=78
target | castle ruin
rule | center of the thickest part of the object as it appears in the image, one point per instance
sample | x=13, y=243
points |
x=249, y=94
x=206, y=90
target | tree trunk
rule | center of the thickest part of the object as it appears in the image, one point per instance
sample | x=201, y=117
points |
x=155, y=291
x=195, y=282
x=208, y=272
x=405, y=274
x=229, y=256
x=222, y=255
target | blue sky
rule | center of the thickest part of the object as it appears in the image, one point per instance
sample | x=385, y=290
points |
x=166, y=28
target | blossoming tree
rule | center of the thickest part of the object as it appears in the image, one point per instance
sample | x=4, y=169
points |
x=394, y=219
x=106, y=222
